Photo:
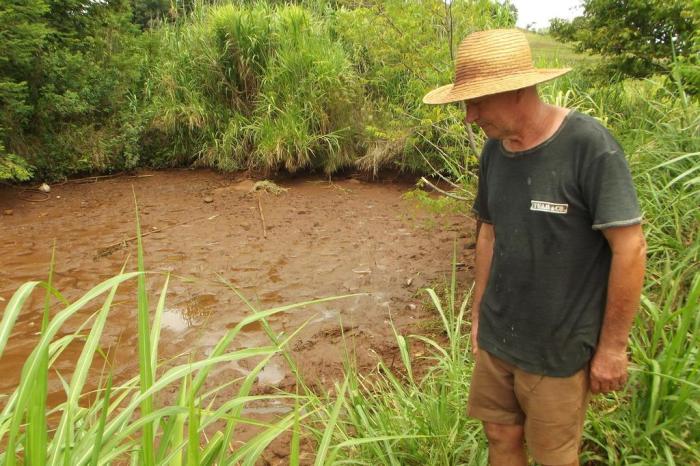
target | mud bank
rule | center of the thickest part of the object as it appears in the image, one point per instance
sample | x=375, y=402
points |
x=314, y=240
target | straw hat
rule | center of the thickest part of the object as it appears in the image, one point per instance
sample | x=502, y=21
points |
x=489, y=62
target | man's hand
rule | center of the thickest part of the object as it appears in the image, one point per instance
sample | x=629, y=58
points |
x=475, y=331
x=608, y=371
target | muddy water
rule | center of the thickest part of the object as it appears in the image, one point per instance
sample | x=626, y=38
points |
x=318, y=240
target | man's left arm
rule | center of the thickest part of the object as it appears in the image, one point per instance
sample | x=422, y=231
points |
x=609, y=364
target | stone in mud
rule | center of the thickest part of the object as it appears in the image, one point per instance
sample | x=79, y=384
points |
x=45, y=188
x=8, y=212
x=268, y=186
x=208, y=199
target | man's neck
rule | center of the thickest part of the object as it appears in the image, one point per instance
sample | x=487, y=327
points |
x=536, y=127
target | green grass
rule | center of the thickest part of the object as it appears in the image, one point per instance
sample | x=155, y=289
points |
x=124, y=422
x=391, y=416
x=546, y=49
x=238, y=86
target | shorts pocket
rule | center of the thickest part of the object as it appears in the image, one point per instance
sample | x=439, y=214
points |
x=528, y=382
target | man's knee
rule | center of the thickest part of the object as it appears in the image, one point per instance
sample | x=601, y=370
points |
x=504, y=435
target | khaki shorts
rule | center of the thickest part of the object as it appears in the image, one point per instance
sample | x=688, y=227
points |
x=551, y=409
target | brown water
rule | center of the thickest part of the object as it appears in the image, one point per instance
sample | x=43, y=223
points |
x=321, y=240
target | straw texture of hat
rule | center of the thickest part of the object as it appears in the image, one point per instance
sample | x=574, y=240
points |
x=489, y=62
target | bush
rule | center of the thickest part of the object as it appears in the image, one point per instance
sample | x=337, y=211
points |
x=254, y=86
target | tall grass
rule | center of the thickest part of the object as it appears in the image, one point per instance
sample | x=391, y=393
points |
x=406, y=415
x=134, y=421
x=238, y=86
x=657, y=417
x=402, y=50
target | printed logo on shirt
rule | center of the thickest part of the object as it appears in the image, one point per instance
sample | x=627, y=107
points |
x=551, y=207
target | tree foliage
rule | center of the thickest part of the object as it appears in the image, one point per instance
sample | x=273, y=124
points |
x=637, y=37
x=22, y=34
x=114, y=84
x=68, y=69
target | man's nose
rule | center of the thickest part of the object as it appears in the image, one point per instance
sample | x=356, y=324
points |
x=471, y=115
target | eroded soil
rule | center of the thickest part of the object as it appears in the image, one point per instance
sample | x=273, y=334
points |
x=320, y=239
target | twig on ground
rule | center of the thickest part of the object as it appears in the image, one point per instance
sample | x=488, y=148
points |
x=443, y=177
x=93, y=179
x=262, y=217
x=107, y=250
x=446, y=193
x=26, y=195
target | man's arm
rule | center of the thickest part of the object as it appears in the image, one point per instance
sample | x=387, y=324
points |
x=609, y=364
x=484, y=253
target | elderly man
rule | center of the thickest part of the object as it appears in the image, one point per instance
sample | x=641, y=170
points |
x=559, y=259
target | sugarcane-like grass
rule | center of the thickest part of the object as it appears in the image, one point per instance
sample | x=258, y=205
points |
x=124, y=422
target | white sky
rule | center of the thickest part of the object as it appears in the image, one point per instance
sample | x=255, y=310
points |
x=541, y=11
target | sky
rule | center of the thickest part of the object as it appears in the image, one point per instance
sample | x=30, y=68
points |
x=541, y=11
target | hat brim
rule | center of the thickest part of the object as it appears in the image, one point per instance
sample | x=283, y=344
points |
x=490, y=85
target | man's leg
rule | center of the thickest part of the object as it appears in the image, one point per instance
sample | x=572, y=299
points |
x=506, y=447
x=492, y=400
x=555, y=409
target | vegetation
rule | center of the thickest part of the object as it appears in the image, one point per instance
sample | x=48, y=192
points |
x=638, y=38
x=392, y=417
x=263, y=87
x=95, y=87
x=66, y=84
x=658, y=125
x=320, y=86
x=128, y=421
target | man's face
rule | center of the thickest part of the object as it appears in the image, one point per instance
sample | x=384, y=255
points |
x=493, y=114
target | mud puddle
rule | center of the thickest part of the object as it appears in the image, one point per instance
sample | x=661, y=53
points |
x=318, y=240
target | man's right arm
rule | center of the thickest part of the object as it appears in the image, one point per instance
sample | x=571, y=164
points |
x=484, y=254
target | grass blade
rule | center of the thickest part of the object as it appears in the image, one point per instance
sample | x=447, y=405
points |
x=145, y=356
x=103, y=419
x=330, y=426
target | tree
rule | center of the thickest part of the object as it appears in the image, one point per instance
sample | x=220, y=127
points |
x=22, y=34
x=637, y=37
x=69, y=72
x=145, y=12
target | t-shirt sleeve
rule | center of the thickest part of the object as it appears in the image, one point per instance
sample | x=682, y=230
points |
x=480, y=207
x=609, y=191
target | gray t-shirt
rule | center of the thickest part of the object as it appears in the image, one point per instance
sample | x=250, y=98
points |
x=543, y=305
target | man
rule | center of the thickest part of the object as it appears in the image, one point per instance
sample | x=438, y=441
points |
x=559, y=259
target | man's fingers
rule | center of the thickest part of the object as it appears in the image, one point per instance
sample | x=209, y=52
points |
x=607, y=385
x=601, y=387
x=598, y=384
